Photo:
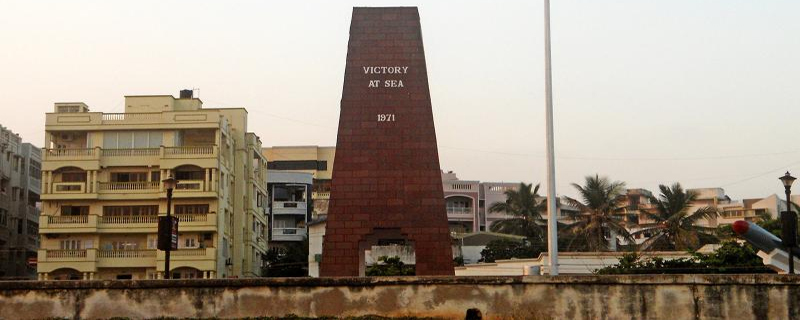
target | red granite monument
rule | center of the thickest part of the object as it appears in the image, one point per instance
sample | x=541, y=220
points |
x=386, y=186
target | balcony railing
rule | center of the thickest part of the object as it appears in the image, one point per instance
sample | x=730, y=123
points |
x=290, y=204
x=190, y=185
x=147, y=253
x=459, y=210
x=321, y=195
x=68, y=154
x=188, y=151
x=67, y=219
x=128, y=219
x=65, y=254
x=202, y=217
x=132, y=152
x=69, y=187
x=131, y=117
x=128, y=186
x=189, y=252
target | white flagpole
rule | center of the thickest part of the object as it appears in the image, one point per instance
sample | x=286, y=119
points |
x=552, y=219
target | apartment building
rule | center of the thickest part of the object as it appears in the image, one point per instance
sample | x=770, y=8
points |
x=462, y=203
x=315, y=160
x=290, y=206
x=102, y=191
x=20, y=186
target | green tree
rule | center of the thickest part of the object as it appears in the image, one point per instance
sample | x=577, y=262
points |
x=288, y=261
x=526, y=207
x=596, y=221
x=674, y=226
x=507, y=249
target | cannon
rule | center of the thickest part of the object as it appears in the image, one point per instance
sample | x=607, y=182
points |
x=771, y=248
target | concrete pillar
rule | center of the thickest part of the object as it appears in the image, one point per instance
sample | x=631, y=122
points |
x=207, y=181
x=40, y=276
x=212, y=274
x=205, y=274
x=85, y=276
x=49, y=188
x=46, y=276
x=214, y=183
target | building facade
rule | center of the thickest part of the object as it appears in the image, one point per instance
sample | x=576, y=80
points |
x=315, y=160
x=20, y=187
x=102, y=192
x=290, y=205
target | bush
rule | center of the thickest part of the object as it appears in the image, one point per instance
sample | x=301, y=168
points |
x=731, y=257
x=387, y=266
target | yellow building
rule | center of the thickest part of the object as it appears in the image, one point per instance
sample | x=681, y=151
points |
x=318, y=161
x=102, y=191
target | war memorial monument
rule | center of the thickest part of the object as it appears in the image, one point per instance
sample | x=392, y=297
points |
x=387, y=187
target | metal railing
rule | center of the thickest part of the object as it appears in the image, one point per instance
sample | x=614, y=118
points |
x=289, y=231
x=147, y=253
x=67, y=219
x=140, y=185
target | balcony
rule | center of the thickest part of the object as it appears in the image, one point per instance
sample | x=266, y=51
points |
x=131, y=152
x=167, y=157
x=69, y=154
x=292, y=205
x=190, y=185
x=198, y=258
x=190, y=152
x=460, y=210
x=321, y=195
x=288, y=234
x=68, y=224
x=69, y=187
x=126, y=187
x=81, y=260
x=123, y=224
x=126, y=258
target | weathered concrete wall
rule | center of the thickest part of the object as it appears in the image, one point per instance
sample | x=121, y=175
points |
x=561, y=297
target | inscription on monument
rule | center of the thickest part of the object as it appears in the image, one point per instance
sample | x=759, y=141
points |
x=386, y=83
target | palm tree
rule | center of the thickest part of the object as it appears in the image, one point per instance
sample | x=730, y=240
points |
x=674, y=226
x=525, y=207
x=601, y=199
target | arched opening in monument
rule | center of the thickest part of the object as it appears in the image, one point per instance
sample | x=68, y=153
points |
x=386, y=252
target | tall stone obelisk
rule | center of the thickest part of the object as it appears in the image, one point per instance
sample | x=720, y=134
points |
x=387, y=185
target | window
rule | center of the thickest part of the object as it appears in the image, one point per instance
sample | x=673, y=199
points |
x=70, y=245
x=132, y=139
x=128, y=176
x=150, y=210
x=69, y=210
x=73, y=177
x=155, y=176
x=190, y=175
x=191, y=208
x=294, y=193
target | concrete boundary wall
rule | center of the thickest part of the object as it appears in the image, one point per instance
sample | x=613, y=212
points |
x=536, y=297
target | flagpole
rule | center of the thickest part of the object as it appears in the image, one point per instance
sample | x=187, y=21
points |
x=552, y=219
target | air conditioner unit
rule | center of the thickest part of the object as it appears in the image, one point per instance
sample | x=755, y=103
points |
x=67, y=137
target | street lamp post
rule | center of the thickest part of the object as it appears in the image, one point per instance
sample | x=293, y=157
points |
x=169, y=184
x=789, y=220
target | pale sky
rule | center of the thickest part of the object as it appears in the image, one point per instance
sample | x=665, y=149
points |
x=706, y=93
